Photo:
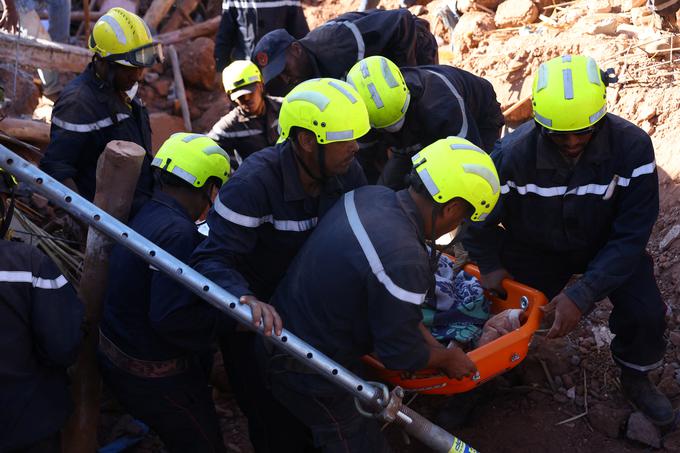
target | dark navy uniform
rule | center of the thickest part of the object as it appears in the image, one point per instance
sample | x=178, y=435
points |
x=351, y=292
x=257, y=225
x=40, y=331
x=88, y=115
x=238, y=131
x=591, y=217
x=445, y=101
x=156, y=336
x=245, y=22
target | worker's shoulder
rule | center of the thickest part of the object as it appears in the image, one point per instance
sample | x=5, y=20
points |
x=625, y=132
x=158, y=219
x=80, y=99
x=259, y=167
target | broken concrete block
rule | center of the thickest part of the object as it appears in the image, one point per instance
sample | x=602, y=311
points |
x=471, y=29
x=599, y=6
x=198, y=63
x=646, y=112
x=641, y=16
x=607, y=420
x=465, y=6
x=162, y=127
x=515, y=13
x=627, y=5
x=642, y=430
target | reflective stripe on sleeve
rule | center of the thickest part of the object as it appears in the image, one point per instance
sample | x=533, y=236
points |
x=101, y=124
x=36, y=282
x=254, y=222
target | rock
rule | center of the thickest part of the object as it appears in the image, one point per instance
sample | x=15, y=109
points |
x=27, y=95
x=198, y=63
x=599, y=6
x=515, y=13
x=668, y=239
x=466, y=6
x=575, y=360
x=162, y=86
x=162, y=127
x=211, y=116
x=607, y=420
x=675, y=338
x=669, y=387
x=560, y=398
x=671, y=441
x=471, y=29
x=571, y=393
x=641, y=16
x=627, y=5
x=642, y=430
x=568, y=381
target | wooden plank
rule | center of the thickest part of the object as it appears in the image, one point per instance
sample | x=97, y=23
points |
x=179, y=88
x=209, y=27
x=157, y=12
x=184, y=8
x=26, y=130
x=43, y=54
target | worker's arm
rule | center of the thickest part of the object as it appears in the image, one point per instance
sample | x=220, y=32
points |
x=638, y=208
x=296, y=23
x=233, y=221
x=222, y=132
x=225, y=40
x=57, y=314
x=490, y=120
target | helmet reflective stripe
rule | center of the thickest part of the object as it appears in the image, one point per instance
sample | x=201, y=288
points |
x=342, y=89
x=215, y=150
x=429, y=182
x=566, y=59
x=364, y=69
x=568, y=83
x=185, y=175
x=484, y=173
x=191, y=137
x=316, y=98
x=542, y=77
x=593, y=72
x=387, y=74
x=375, y=96
x=156, y=162
x=597, y=115
x=407, y=101
x=543, y=120
x=455, y=146
x=117, y=29
x=340, y=135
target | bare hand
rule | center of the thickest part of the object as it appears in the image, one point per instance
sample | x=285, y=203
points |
x=493, y=281
x=263, y=313
x=458, y=364
x=566, y=314
x=10, y=17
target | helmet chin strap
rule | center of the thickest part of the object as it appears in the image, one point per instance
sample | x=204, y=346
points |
x=321, y=158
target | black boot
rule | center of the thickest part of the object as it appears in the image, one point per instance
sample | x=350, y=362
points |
x=646, y=397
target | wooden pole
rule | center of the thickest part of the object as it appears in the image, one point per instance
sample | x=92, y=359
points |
x=179, y=88
x=40, y=53
x=209, y=27
x=78, y=16
x=86, y=16
x=157, y=12
x=118, y=169
x=27, y=130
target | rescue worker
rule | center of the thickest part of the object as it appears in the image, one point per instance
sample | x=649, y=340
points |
x=156, y=337
x=413, y=107
x=41, y=323
x=357, y=284
x=580, y=195
x=265, y=213
x=100, y=105
x=332, y=49
x=243, y=24
x=253, y=124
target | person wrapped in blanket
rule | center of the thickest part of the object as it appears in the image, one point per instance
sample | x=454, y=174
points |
x=460, y=312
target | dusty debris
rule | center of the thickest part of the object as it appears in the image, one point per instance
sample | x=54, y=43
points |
x=668, y=239
x=608, y=420
x=471, y=29
x=515, y=13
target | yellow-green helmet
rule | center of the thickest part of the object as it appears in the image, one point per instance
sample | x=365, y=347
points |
x=329, y=108
x=453, y=167
x=239, y=74
x=123, y=37
x=7, y=182
x=569, y=94
x=193, y=157
x=383, y=89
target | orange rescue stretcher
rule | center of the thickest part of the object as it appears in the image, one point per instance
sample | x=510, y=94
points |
x=492, y=359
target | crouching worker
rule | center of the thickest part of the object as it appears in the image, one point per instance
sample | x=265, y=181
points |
x=40, y=331
x=253, y=124
x=358, y=283
x=156, y=337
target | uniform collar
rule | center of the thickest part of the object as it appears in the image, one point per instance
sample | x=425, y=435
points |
x=163, y=198
x=292, y=186
x=548, y=157
x=411, y=210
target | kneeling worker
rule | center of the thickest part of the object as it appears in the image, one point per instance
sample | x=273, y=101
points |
x=253, y=124
x=350, y=291
x=156, y=337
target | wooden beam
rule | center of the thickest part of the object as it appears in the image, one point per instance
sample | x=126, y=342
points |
x=184, y=8
x=26, y=130
x=43, y=54
x=157, y=12
x=77, y=16
x=179, y=88
x=118, y=169
x=208, y=27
